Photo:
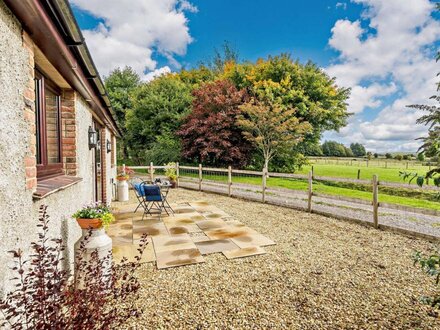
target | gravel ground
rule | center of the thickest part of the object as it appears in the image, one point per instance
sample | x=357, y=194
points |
x=416, y=222
x=322, y=274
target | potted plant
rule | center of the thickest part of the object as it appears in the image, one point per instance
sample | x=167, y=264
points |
x=94, y=216
x=122, y=177
x=171, y=174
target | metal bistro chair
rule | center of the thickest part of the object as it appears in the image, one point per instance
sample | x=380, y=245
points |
x=138, y=191
x=152, y=199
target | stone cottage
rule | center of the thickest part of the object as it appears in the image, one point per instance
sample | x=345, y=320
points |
x=57, y=131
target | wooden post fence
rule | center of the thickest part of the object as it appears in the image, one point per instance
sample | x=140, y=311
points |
x=264, y=185
x=359, y=174
x=310, y=192
x=177, y=174
x=151, y=172
x=229, y=181
x=200, y=177
x=375, y=201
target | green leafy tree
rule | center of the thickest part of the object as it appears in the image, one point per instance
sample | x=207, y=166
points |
x=348, y=152
x=120, y=85
x=421, y=157
x=333, y=149
x=431, y=142
x=292, y=85
x=398, y=157
x=431, y=266
x=312, y=149
x=358, y=149
x=158, y=110
x=388, y=155
x=273, y=129
x=376, y=155
x=227, y=54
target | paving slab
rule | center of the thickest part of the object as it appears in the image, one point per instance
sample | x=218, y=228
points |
x=131, y=251
x=215, y=246
x=252, y=240
x=174, y=258
x=246, y=252
x=154, y=229
x=207, y=225
x=169, y=243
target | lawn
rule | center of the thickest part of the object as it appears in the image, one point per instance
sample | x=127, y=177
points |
x=321, y=187
x=322, y=274
x=347, y=171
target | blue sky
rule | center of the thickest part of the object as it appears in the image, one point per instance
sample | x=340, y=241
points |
x=382, y=49
x=299, y=27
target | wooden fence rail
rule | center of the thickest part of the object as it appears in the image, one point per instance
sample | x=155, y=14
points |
x=229, y=185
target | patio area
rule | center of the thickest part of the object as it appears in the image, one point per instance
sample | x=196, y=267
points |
x=196, y=228
x=322, y=273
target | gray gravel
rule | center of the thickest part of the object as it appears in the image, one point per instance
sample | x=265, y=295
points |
x=415, y=222
x=322, y=274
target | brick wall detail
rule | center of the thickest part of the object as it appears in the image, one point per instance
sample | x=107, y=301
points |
x=30, y=160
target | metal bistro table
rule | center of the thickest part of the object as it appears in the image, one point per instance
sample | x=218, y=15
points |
x=164, y=190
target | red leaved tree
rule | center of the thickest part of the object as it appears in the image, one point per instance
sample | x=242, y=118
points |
x=210, y=133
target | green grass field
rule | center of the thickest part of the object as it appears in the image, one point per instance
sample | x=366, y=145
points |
x=366, y=173
x=322, y=187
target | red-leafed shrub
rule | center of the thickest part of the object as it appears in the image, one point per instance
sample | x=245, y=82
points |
x=210, y=133
x=46, y=297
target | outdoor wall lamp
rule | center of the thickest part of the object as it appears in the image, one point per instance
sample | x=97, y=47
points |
x=93, y=138
x=109, y=146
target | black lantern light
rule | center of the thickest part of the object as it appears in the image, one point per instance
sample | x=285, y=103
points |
x=93, y=138
x=109, y=146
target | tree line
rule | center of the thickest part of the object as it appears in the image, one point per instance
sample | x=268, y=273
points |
x=267, y=113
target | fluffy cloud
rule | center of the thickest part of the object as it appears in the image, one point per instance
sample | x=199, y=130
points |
x=387, y=52
x=156, y=73
x=133, y=29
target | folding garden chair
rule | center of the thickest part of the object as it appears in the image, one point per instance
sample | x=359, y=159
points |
x=152, y=199
x=138, y=191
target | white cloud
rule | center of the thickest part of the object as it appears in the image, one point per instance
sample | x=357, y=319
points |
x=342, y=5
x=156, y=73
x=387, y=52
x=133, y=29
x=363, y=97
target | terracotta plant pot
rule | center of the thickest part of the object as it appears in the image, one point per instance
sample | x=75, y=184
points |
x=89, y=223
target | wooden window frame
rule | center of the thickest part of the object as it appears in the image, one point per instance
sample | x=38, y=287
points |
x=44, y=169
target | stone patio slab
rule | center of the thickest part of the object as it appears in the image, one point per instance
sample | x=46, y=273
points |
x=215, y=246
x=252, y=240
x=151, y=230
x=122, y=239
x=130, y=252
x=174, y=258
x=228, y=232
x=207, y=225
x=246, y=252
x=169, y=243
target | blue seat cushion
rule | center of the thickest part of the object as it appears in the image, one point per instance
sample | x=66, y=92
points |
x=152, y=193
x=139, y=190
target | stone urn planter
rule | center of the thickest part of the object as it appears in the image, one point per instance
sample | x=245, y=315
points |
x=93, y=240
x=93, y=219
